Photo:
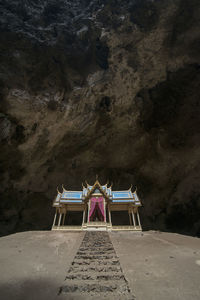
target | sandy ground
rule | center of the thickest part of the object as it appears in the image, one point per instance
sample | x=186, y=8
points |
x=160, y=266
x=33, y=265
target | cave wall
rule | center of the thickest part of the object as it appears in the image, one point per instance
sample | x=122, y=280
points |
x=100, y=87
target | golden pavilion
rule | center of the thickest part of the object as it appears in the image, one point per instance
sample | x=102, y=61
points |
x=97, y=204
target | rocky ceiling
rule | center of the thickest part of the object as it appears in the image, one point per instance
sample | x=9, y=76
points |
x=95, y=86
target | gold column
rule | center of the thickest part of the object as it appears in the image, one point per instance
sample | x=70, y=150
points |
x=129, y=218
x=64, y=218
x=83, y=217
x=88, y=210
x=138, y=217
x=133, y=215
x=59, y=219
x=105, y=210
x=110, y=221
x=54, y=220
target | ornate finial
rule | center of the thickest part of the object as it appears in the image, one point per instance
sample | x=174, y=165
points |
x=64, y=190
x=86, y=183
x=131, y=187
x=83, y=186
x=97, y=176
x=58, y=191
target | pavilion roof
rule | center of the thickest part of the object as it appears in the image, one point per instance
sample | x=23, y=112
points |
x=78, y=197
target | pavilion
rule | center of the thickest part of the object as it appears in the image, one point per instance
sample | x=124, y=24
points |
x=97, y=203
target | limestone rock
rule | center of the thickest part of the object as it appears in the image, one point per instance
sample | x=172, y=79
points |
x=107, y=87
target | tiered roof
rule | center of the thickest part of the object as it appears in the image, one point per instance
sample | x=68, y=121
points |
x=73, y=197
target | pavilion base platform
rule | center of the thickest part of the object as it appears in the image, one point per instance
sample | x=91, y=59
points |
x=67, y=228
x=126, y=228
x=98, y=226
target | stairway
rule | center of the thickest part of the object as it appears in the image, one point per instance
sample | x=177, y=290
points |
x=95, y=272
x=97, y=226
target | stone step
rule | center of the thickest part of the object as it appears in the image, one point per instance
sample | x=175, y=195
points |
x=101, y=251
x=94, y=287
x=95, y=276
x=95, y=257
x=96, y=262
x=96, y=271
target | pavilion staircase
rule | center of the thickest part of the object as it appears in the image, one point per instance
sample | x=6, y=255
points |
x=96, y=226
x=95, y=272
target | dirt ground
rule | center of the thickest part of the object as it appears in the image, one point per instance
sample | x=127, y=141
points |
x=34, y=265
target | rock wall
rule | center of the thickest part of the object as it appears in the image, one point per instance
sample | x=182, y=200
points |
x=107, y=87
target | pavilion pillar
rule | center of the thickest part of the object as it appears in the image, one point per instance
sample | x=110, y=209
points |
x=63, y=221
x=130, y=218
x=110, y=221
x=104, y=209
x=59, y=219
x=138, y=217
x=54, y=220
x=88, y=219
x=83, y=217
x=133, y=215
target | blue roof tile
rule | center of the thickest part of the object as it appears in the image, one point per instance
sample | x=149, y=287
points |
x=72, y=195
x=122, y=195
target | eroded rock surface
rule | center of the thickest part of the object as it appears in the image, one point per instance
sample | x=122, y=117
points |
x=107, y=87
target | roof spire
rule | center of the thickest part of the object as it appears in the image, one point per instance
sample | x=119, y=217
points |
x=58, y=191
x=97, y=176
x=64, y=190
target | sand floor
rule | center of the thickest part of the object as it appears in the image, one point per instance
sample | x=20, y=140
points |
x=158, y=266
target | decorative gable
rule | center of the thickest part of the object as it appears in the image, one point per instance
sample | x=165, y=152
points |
x=97, y=191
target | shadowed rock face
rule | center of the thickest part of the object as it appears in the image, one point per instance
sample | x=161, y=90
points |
x=105, y=87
